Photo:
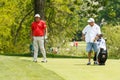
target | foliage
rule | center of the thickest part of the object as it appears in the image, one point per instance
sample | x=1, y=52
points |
x=110, y=11
x=65, y=19
x=113, y=37
x=107, y=10
x=62, y=22
x=12, y=12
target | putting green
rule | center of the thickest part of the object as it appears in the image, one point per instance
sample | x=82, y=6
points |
x=13, y=68
x=76, y=69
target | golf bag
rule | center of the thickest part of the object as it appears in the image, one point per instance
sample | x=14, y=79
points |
x=102, y=56
x=31, y=48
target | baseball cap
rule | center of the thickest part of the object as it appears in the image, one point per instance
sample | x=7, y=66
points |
x=91, y=20
x=37, y=15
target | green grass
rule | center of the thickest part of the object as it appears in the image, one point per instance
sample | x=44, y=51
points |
x=22, y=68
x=76, y=69
x=14, y=68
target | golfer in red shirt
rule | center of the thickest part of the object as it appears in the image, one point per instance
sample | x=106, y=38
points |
x=39, y=30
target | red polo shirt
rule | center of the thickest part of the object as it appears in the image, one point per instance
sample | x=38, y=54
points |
x=38, y=28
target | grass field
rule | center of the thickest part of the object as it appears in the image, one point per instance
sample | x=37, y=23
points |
x=14, y=68
x=22, y=68
x=76, y=69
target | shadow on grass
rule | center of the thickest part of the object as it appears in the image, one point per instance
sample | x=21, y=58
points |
x=40, y=55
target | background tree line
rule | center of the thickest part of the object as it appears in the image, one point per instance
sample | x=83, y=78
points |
x=65, y=20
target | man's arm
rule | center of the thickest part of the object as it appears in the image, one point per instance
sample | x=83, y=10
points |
x=46, y=31
x=83, y=37
x=84, y=33
x=31, y=34
x=96, y=38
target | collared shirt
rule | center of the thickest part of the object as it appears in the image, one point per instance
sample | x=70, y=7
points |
x=38, y=28
x=101, y=43
x=91, y=32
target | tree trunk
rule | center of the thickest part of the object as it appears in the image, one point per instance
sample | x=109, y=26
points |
x=39, y=8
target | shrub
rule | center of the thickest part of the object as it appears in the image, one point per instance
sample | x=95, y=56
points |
x=112, y=33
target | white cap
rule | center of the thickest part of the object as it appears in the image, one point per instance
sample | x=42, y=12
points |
x=91, y=20
x=37, y=15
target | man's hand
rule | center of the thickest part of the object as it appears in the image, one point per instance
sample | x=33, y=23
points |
x=46, y=37
x=46, y=33
x=31, y=38
x=96, y=38
x=83, y=38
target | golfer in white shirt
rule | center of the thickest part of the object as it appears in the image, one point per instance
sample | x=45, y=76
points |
x=90, y=34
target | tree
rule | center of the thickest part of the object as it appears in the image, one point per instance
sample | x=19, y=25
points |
x=62, y=22
x=110, y=11
x=12, y=13
x=102, y=9
x=39, y=7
